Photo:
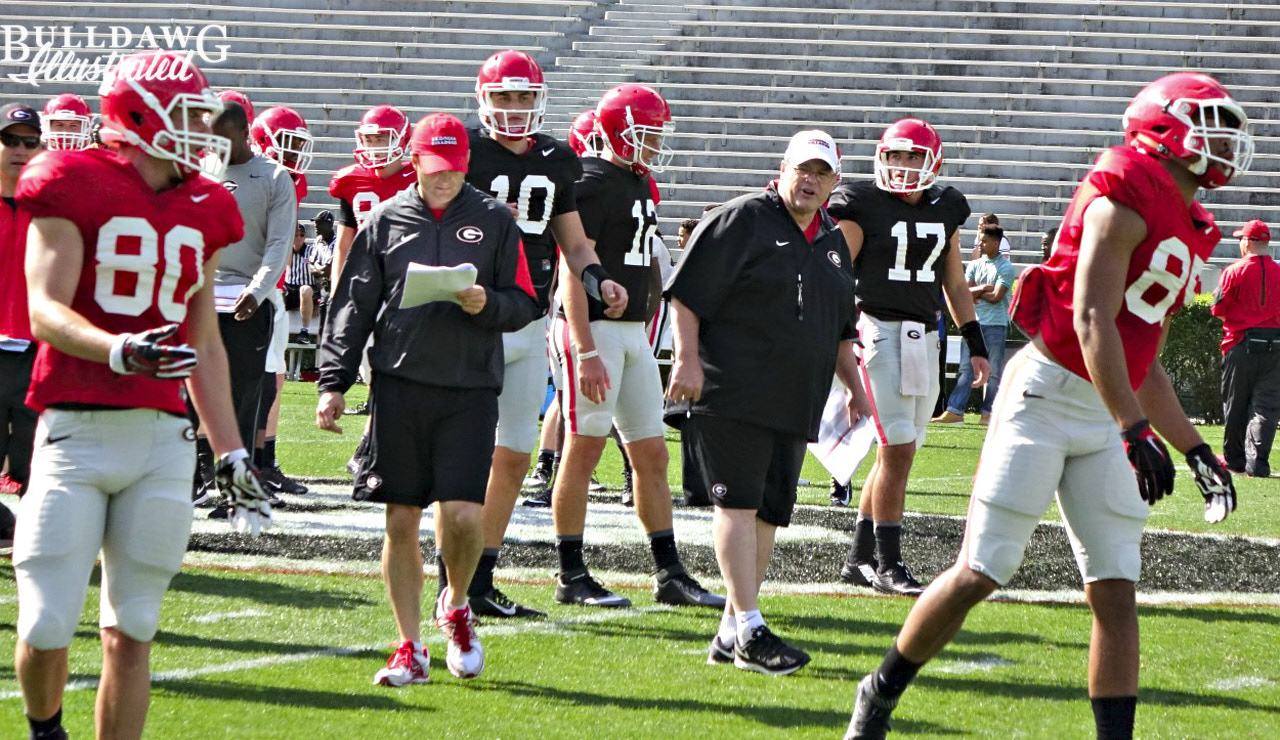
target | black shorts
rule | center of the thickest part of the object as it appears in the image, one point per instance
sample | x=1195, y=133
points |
x=293, y=297
x=740, y=465
x=427, y=444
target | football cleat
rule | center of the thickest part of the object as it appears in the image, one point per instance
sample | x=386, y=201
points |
x=494, y=603
x=580, y=588
x=596, y=486
x=894, y=578
x=676, y=587
x=538, y=499
x=361, y=409
x=871, y=711
x=766, y=653
x=719, y=653
x=859, y=574
x=7, y=525
x=628, y=488
x=405, y=666
x=841, y=495
x=464, y=656
x=275, y=481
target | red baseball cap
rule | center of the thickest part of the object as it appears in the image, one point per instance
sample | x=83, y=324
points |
x=1256, y=230
x=440, y=141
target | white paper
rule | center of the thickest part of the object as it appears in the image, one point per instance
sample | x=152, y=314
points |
x=225, y=297
x=841, y=448
x=427, y=283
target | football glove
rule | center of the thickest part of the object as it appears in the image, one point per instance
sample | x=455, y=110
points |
x=249, y=507
x=143, y=354
x=1150, y=461
x=1214, y=483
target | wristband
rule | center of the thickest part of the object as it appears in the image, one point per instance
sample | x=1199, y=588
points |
x=972, y=334
x=588, y=355
x=115, y=360
x=234, y=456
x=592, y=277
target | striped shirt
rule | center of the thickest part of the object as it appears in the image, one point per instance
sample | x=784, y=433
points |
x=298, y=270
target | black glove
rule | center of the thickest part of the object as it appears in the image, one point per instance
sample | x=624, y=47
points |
x=143, y=354
x=241, y=486
x=1150, y=461
x=1214, y=482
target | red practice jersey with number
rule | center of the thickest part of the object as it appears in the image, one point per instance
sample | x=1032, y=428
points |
x=1164, y=271
x=144, y=255
x=364, y=188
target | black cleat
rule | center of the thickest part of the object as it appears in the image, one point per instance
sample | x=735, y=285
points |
x=361, y=409
x=871, y=711
x=676, y=587
x=628, y=489
x=719, y=653
x=496, y=604
x=766, y=653
x=304, y=337
x=859, y=574
x=7, y=525
x=896, y=579
x=580, y=588
x=537, y=488
x=841, y=496
x=275, y=481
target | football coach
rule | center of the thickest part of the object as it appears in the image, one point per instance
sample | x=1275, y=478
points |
x=437, y=371
x=764, y=315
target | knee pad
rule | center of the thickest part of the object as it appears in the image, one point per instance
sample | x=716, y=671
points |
x=44, y=628
x=900, y=432
x=138, y=618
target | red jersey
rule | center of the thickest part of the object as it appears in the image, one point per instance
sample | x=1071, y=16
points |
x=1164, y=271
x=364, y=188
x=15, y=322
x=299, y=186
x=144, y=255
x=1248, y=297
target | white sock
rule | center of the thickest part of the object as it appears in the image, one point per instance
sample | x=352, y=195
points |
x=728, y=628
x=747, y=623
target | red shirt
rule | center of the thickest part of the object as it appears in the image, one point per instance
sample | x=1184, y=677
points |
x=144, y=256
x=365, y=188
x=1164, y=271
x=1248, y=297
x=15, y=322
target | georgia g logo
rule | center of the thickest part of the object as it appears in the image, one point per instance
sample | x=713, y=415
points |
x=835, y=258
x=913, y=334
x=470, y=234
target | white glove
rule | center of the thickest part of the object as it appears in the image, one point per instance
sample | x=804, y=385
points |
x=241, y=485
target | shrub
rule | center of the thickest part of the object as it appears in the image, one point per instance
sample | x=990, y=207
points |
x=1193, y=360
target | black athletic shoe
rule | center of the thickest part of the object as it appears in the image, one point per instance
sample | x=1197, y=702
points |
x=304, y=337
x=859, y=574
x=537, y=488
x=220, y=511
x=894, y=578
x=203, y=492
x=580, y=588
x=494, y=603
x=7, y=525
x=361, y=409
x=628, y=489
x=841, y=495
x=719, y=653
x=676, y=587
x=871, y=711
x=275, y=481
x=766, y=653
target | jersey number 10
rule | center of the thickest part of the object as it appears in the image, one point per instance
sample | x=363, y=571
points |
x=533, y=205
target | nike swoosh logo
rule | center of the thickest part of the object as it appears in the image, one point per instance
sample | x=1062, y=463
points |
x=199, y=198
x=403, y=239
x=935, y=200
x=509, y=611
x=56, y=440
x=878, y=340
x=781, y=244
x=1029, y=394
x=546, y=153
x=255, y=176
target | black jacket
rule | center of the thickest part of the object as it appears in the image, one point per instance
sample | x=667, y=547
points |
x=436, y=344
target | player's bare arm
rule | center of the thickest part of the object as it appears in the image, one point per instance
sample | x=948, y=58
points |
x=686, y=379
x=856, y=401
x=346, y=235
x=593, y=379
x=55, y=256
x=852, y=237
x=960, y=303
x=579, y=251
x=1161, y=405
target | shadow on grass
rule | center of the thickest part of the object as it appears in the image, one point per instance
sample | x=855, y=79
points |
x=234, y=645
x=285, y=696
x=1058, y=692
x=232, y=586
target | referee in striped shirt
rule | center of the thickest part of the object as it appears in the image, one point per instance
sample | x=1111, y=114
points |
x=299, y=284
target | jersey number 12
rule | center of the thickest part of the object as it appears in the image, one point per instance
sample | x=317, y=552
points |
x=646, y=217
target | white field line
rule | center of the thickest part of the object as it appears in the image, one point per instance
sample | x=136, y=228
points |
x=1241, y=682
x=224, y=616
x=972, y=666
x=544, y=627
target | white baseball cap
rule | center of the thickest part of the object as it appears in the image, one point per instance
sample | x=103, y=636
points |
x=813, y=144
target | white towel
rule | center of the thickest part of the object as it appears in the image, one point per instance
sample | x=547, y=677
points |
x=915, y=360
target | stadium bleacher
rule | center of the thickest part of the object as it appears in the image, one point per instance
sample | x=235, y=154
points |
x=1024, y=94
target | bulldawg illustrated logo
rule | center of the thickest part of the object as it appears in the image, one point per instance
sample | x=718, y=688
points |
x=73, y=54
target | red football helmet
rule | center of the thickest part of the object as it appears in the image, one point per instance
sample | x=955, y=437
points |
x=1183, y=115
x=150, y=100
x=908, y=135
x=281, y=134
x=70, y=108
x=235, y=96
x=382, y=119
x=584, y=140
x=515, y=71
x=633, y=122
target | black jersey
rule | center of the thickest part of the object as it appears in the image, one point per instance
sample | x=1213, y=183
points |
x=617, y=211
x=541, y=184
x=904, y=247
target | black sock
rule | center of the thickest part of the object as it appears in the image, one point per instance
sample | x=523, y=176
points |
x=205, y=462
x=1113, y=716
x=269, y=453
x=569, y=550
x=46, y=728
x=888, y=542
x=864, y=540
x=442, y=576
x=482, y=581
x=258, y=455
x=663, y=546
x=546, y=458
x=894, y=674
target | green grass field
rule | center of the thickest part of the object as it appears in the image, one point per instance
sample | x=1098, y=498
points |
x=290, y=652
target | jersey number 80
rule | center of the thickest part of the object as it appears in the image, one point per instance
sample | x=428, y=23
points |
x=125, y=281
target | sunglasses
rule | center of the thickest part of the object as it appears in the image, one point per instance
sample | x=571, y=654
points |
x=13, y=140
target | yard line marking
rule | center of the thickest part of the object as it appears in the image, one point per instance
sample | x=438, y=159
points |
x=1240, y=682
x=558, y=626
x=222, y=616
x=973, y=666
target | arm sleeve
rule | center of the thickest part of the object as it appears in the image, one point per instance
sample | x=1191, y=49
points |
x=590, y=206
x=712, y=259
x=843, y=203
x=282, y=210
x=353, y=312
x=346, y=213
x=566, y=199
x=511, y=302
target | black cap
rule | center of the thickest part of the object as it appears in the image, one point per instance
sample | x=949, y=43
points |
x=13, y=114
x=324, y=217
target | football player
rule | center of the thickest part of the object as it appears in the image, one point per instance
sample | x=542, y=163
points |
x=66, y=122
x=121, y=254
x=235, y=96
x=281, y=134
x=609, y=368
x=534, y=174
x=1079, y=411
x=583, y=138
x=903, y=232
